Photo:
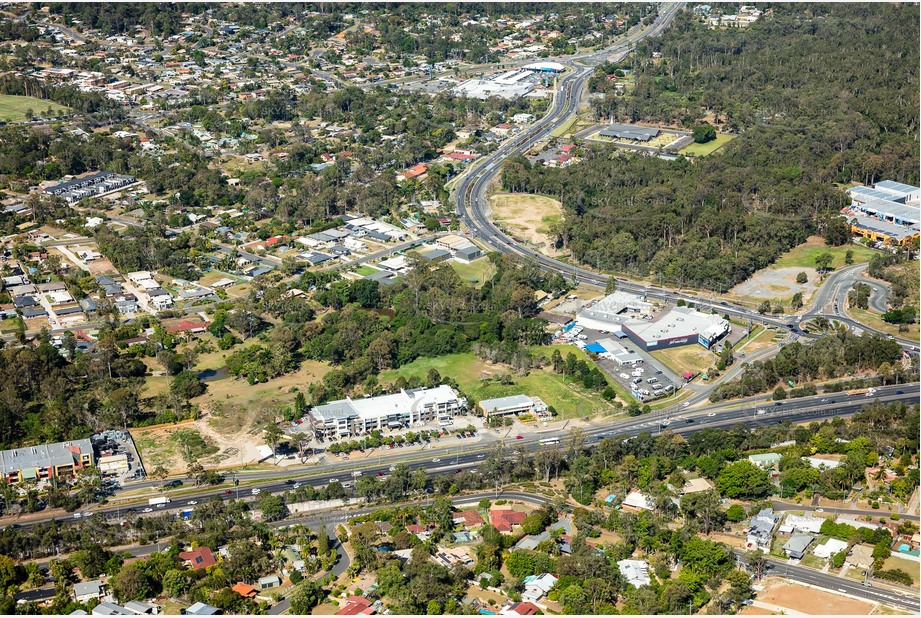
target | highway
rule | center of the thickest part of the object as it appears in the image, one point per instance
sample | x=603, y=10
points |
x=468, y=456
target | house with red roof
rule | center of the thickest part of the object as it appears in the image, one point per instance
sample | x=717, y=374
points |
x=198, y=558
x=504, y=519
x=524, y=608
x=469, y=519
x=189, y=326
x=245, y=590
x=416, y=171
x=355, y=605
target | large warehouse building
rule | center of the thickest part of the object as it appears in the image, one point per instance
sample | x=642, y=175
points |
x=613, y=310
x=889, y=212
x=680, y=326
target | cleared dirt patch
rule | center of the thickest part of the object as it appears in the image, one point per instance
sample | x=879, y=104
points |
x=777, y=284
x=798, y=598
x=530, y=217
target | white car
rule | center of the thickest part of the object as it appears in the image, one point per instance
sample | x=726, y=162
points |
x=760, y=412
x=256, y=491
x=436, y=460
x=685, y=404
x=147, y=510
x=192, y=502
x=393, y=468
x=331, y=481
x=711, y=414
x=666, y=423
x=296, y=486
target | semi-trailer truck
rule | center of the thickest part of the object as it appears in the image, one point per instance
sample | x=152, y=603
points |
x=158, y=501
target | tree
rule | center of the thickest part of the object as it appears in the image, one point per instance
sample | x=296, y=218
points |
x=802, y=278
x=132, y=583
x=823, y=261
x=704, y=133
x=756, y=562
x=764, y=307
x=797, y=301
x=735, y=513
x=743, y=479
x=272, y=434
x=307, y=595
x=272, y=507
x=849, y=257
x=611, y=286
x=187, y=386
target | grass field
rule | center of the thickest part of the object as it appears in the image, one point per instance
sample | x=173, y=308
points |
x=531, y=217
x=13, y=108
x=895, y=562
x=686, y=358
x=702, y=150
x=804, y=255
x=565, y=128
x=474, y=376
x=873, y=320
x=479, y=270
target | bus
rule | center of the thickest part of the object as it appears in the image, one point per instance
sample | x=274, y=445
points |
x=548, y=441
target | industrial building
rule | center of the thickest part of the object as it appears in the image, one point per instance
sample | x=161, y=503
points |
x=89, y=185
x=680, y=326
x=610, y=312
x=350, y=417
x=486, y=88
x=890, y=212
x=33, y=463
x=514, y=404
x=629, y=131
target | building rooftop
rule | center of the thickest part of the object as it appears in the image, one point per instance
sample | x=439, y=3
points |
x=677, y=323
x=45, y=455
x=636, y=572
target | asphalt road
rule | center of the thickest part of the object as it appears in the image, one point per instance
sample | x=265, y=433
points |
x=467, y=456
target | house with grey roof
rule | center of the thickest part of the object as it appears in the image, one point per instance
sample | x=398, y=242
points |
x=761, y=530
x=87, y=591
x=797, y=544
x=200, y=609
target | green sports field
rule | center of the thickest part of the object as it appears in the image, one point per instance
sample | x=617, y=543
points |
x=13, y=108
x=702, y=150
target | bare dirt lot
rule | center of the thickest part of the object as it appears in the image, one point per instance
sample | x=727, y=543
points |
x=531, y=217
x=796, y=598
x=777, y=284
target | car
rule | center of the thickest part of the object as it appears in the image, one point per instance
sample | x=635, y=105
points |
x=820, y=510
x=331, y=481
x=666, y=423
x=192, y=502
x=228, y=492
x=436, y=460
x=160, y=506
x=689, y=420
x=380, y=473
x=900, y=392
x=346, y=485
x=711, y=414
x=147, y=510
x=777, y=403
x=289, y=482
x=724, y=303
x=390, y=447
x=256, y=491
x=685, y=404
x=481, y=456
x=78, y=515
x=296, y=486
x=519, y=437
x=867, y=584
x=760, y=412
x=345, y=459
x=460, y=437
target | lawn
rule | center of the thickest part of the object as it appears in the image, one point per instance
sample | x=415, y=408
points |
x=686, y=358
x=478, y=271
x=804, y=255
x=564, y=128
x=702, y=150
x=364, y=270
x=13, y=108
x=475, y=378
x=874, y=321
x=895, y=562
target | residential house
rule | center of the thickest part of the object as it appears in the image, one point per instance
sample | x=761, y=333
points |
x=524, y=608
x=536, y=587
x=800, y=523
x=765, y=460
x=635, y=572
x=829, y=548
x=200, y=609
x=638, y=500
x=469, y=519
x=198, y=558
x=796, y=545
x=356, y=605
x=860, y=556
x=504, y=519
x=88, y=591
x=761, y=530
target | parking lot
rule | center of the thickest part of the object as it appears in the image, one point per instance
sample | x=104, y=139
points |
x=111, y=443
x=646, y=378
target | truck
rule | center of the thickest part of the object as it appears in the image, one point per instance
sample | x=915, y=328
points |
x=158, y=501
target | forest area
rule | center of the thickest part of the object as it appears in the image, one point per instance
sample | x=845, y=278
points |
x=818, y=95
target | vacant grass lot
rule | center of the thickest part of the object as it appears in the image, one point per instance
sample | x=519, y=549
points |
x=895, y=562
x=13, y=108
x=364, y=270
x=477, y=271
x=873, y=320
x=702, y=150
x=686, y=358
x=531, y=217
x=474, y=376
x=804, y=255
